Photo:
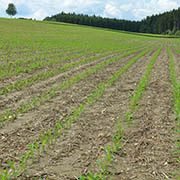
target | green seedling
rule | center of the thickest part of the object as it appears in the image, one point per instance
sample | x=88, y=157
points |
x=23, y=162
x=12, y=166
x=5, y=174
x=45, y=96
x=101, y=165
x=82, y=178
x=7, y=114
x=176, y=93
x=45, y=138
x=37, y=148
x=117, y=143
x=81, y=109
x=43, y=143
x=31, y=147
x=109, y=155
x=49, y=133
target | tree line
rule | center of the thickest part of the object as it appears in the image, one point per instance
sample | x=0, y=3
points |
x=165, y=23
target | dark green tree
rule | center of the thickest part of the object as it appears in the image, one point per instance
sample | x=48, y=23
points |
x=11, y=10
x=165, y=23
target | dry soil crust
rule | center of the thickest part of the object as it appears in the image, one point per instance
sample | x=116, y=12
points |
x=151, y=140
x=15, y=136
x=78, y=149
x=13, y=100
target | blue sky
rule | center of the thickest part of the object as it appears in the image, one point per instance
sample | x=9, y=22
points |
x=123, y=9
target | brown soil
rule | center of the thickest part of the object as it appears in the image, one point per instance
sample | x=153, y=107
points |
x=15, y=136
x=79, y=148
x=18, y=97
x=52, y=109
x=23, y=75
x=151, y=139
x=39, y=87
x=7, y=81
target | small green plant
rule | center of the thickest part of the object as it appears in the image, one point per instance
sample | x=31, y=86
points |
x=118, y=136
x=49, y=136
x=176, y=92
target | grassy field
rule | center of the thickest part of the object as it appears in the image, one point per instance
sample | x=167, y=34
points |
x=87, y=103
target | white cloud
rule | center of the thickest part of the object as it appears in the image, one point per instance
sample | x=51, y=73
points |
x=129, y=9
x=42, y=8
x=141, y=10
x=112, y=11
x=40, y=14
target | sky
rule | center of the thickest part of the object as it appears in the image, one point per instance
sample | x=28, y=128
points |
x=121, y=9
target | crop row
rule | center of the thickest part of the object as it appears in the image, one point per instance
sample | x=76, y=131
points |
x=23, y=57
x=176, y=48
x=15, y=69
x=25, y=60
x=176, y=94
x=40, y=56
x=20, y=84
x=117, y=138
x=50, y=136
x=10, y=115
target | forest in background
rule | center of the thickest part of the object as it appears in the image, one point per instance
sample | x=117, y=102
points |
x=165, y=23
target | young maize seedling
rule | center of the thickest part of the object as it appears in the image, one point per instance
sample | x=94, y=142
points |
x=13, y=167
x=47, y=140
x=101, y=165
x=7, y=114
x=117, y=143
x=5, y=174
x=23, y=162
x=49, y=133
x=82, y=178
x=23, y=108
x=31, y=147
x=109, y=155
x=37, y=148
x=120, y=129
x=43, y=98
x=12, y=87
x=59, y=125
x=91, y=177
x=128, y=117
x=89, y=100
x=77, y=112
x=35, y=101
x=52, y=92
x=81, y=109
x=43, y=143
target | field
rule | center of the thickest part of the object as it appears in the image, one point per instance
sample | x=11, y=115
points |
x=86, y=103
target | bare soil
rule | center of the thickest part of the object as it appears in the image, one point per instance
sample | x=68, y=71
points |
x=79, y=148
x=16, y=135
x=149, y=141
x=35, y=90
